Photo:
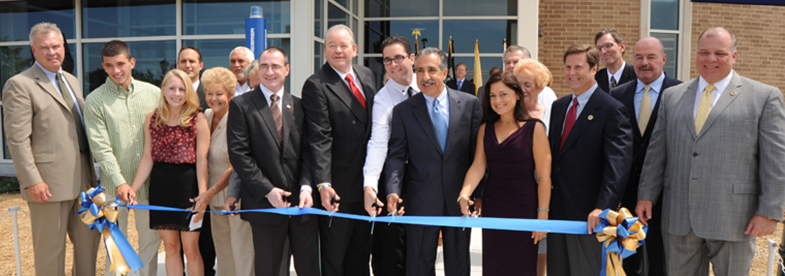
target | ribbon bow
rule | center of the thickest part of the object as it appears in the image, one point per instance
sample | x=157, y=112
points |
x=98, y=214
x=621, y=234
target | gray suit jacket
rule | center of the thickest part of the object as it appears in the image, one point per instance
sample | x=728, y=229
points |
x=713, y=183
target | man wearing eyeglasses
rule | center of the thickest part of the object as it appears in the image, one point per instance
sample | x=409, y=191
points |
x=616, y=71
x=389, y=244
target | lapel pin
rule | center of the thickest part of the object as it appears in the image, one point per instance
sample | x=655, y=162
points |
x=288, y=106
x=591, y=117
x=733, y=93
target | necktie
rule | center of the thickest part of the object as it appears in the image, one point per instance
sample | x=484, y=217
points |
x=355, y=90
x=704, y=107
x=80, y=131
x=460, y=84
x=276, y=115
x=569, y=121
x=409, y=92
x=645, y=110
x=613, y=82
x=439, y=124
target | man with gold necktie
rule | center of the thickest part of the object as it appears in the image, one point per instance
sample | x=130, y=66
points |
x=641, y=98
x=714, y=156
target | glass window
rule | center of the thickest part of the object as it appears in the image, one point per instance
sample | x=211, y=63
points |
x=484, y=7
x=390, y=8
x=377, y=31
x=377, y=67
x=128, y=18
x=318, y=12
x=13, y=60
x=665, y=14
x=336, y=16
x=491, y=35
x=215, y=52
x=17, y=17
x=486, y=62
x=153, y=60
x=344, y=3
x=670, y=42
x=203, y=17
x=318, y=56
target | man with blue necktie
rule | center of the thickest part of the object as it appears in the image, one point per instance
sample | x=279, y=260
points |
x=460, y=83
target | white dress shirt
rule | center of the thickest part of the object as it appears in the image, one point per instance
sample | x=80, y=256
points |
x=241, y=89
x=616, y=75
x=715, y=94
x=383, y=102
x=546, y=98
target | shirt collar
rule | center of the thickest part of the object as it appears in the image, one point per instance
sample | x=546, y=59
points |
x=196, y=84
x=49, y=74
x=586, y=95
x=343, y=75
x=655, y=85
x=267, y=93
x=442, y=98
x=403, y=88
x=617, y=75
x=720, y=85
x=120, y=88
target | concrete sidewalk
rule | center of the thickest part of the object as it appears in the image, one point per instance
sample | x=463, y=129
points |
x=475, y=249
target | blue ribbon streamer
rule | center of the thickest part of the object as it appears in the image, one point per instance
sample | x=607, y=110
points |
x=511, y=224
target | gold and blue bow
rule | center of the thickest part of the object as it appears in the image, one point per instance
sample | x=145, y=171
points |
x=102, y=216
x=621, y=234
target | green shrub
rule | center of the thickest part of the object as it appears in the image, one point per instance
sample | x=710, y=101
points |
x=9, y=185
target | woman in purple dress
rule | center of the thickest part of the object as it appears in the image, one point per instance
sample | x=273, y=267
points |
x=512, y=146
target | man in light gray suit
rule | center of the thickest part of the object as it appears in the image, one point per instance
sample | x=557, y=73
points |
x=715, y=154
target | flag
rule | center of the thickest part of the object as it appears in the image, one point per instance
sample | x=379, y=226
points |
x=477, y=67
x=416, y=34
x=450, y=61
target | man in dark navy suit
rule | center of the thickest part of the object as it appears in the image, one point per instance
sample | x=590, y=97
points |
x=591, y=142
x=617, y=71
x=642, y=98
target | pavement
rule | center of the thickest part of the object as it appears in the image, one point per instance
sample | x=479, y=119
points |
x=475, y=249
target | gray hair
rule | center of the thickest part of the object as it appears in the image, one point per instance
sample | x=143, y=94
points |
x=248, y=53
x=518, y=48
x=45, y=28
x=251, y=70
x=338, y=28
x=442, y=56
x=709, y=33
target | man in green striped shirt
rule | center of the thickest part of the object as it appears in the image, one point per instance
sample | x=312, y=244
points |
x=114, y=116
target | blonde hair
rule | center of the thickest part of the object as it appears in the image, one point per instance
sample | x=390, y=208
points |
x=542, y=76
x=190, y=107
x=222, y=76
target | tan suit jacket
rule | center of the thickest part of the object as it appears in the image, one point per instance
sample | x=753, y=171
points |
x=41, y=135
x=217, y=157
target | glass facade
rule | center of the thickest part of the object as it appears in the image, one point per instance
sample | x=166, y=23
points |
x=16, y=18
x=209, y=17
x=128, y=18
x=153, y=60
x=665, y=24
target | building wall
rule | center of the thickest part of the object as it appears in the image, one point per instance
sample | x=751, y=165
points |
x=759, y=30
x=564, y=22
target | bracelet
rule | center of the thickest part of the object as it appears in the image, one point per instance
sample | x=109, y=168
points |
x=542, y=210
x=321, y=186
x=462, y=196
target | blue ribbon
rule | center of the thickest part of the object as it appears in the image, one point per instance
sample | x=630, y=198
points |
x=511, y=224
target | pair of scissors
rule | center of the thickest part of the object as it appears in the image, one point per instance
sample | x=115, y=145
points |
x=332, y=202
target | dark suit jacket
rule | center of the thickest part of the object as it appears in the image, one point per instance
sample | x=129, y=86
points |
x=339, y=129
x=262, y=161
x=415, y=161
x=590, y=171
x=627, y=75
x=625, y=93
x=202, y=99
x=468, y=85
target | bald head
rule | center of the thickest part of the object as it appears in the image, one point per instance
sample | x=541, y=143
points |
x=649, y=56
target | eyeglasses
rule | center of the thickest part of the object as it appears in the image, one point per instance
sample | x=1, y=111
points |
x=397, y=59
x=608, y=46
x=265, y=67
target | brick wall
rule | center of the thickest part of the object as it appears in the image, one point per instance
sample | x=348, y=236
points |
x=760, y=34
x=564, y=22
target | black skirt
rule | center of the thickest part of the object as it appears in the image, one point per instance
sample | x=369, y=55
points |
x=172, y=185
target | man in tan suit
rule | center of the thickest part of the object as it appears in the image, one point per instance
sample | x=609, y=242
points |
x=47, y=141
